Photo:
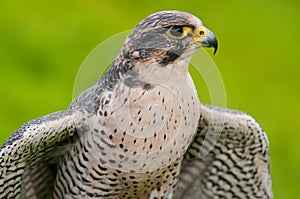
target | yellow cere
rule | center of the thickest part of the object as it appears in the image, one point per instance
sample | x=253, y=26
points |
x=200, y=32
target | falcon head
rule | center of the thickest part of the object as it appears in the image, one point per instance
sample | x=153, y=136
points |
x=167, y=36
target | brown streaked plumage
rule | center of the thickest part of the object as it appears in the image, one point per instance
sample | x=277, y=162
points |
x=138, y=132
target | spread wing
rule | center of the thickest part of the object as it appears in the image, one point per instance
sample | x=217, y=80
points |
x=229, y=158
x=28, y=159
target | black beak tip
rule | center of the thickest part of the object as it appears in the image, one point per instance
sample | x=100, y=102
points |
x=215, y=46
x=215, y=51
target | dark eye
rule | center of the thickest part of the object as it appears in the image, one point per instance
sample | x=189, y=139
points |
x=176, y=31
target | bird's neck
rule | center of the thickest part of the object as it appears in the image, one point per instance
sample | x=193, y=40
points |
x=138, y=72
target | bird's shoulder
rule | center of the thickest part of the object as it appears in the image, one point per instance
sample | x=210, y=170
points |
x=230, y=154
x=35, y=124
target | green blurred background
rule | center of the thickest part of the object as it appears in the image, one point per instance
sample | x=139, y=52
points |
x=43, y=43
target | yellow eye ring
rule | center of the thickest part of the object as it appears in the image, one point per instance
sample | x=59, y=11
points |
x=178, y=32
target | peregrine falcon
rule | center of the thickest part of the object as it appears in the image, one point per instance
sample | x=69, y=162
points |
x=141, y=131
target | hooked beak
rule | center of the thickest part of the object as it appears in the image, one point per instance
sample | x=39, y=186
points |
x=206, y=39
